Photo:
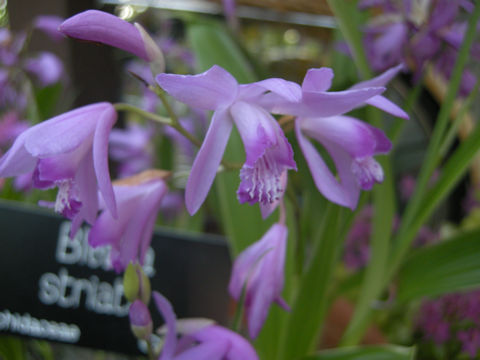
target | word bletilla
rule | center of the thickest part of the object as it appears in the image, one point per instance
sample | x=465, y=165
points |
x=67, y=291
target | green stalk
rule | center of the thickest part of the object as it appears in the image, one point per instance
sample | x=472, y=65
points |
x=344, y=12
x=311, y=303
x=384, y=203
x=452, y=132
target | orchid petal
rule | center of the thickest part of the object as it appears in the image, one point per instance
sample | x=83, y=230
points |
x=324, y=104
x=325, y=181
x=343, y=162
x=380, y=80
x=104, y=28
x=288, y=90
x=207, y=161
x=211, y=90
x=65, y=132
x=318, y=80
x=17, y=159
x=212, y=350
x=350, y=133
x=386, y=105
x=255, y=128
x=168, y=314
x=100, y=156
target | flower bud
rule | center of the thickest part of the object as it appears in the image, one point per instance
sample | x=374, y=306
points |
x=140, y=320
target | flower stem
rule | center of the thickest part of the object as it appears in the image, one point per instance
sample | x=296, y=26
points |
x=151, y=116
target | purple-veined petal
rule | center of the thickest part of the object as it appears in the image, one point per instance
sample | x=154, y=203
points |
x=255, y=128
x=100, y=156
x=211, y=90
x=266, y=209
x=17, y=160
x=207, y=161
x=104, y=28
x=318, y=79
x=325, y=181
x=350, y=133
x=168, y=315
x=382, y=143
x=386, y=105
x=87, y=189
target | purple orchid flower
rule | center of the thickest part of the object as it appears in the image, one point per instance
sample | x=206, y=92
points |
x=351, y=143
x=46, y=67
x=268, y=153
x=104, y=28
x=130, y=233
x=49, y=25
x=69, y=151
x=201, y=340
x=258, y=271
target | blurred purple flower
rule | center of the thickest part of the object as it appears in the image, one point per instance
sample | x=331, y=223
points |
x=10, y=127
x=104, y=28
x=200, y=341
x=258, y=271
x=131, y=148
x=49, y=25
x=416, y=32
x=69, y=151
x=470, y=340
x=268, y=153
x=452, y=319
x=46, y=67
x=130, y=233
x=357, y=244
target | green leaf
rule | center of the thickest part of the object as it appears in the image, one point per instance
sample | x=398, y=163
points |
x=47, y=99
x=311, y=303
x=212, y=45
x=378, y=352
x=449, y=266
x=12, y=348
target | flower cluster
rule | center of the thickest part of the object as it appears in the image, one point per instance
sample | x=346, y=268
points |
x=70, y=152
x=452, y=319
x=416, y=33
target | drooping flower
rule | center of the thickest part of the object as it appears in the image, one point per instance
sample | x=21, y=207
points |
x=129, y=235
x=351, y=143
x=104, y=28
x=201, y=340
x=268, y=153
x=69, y=151
x=258, y=271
